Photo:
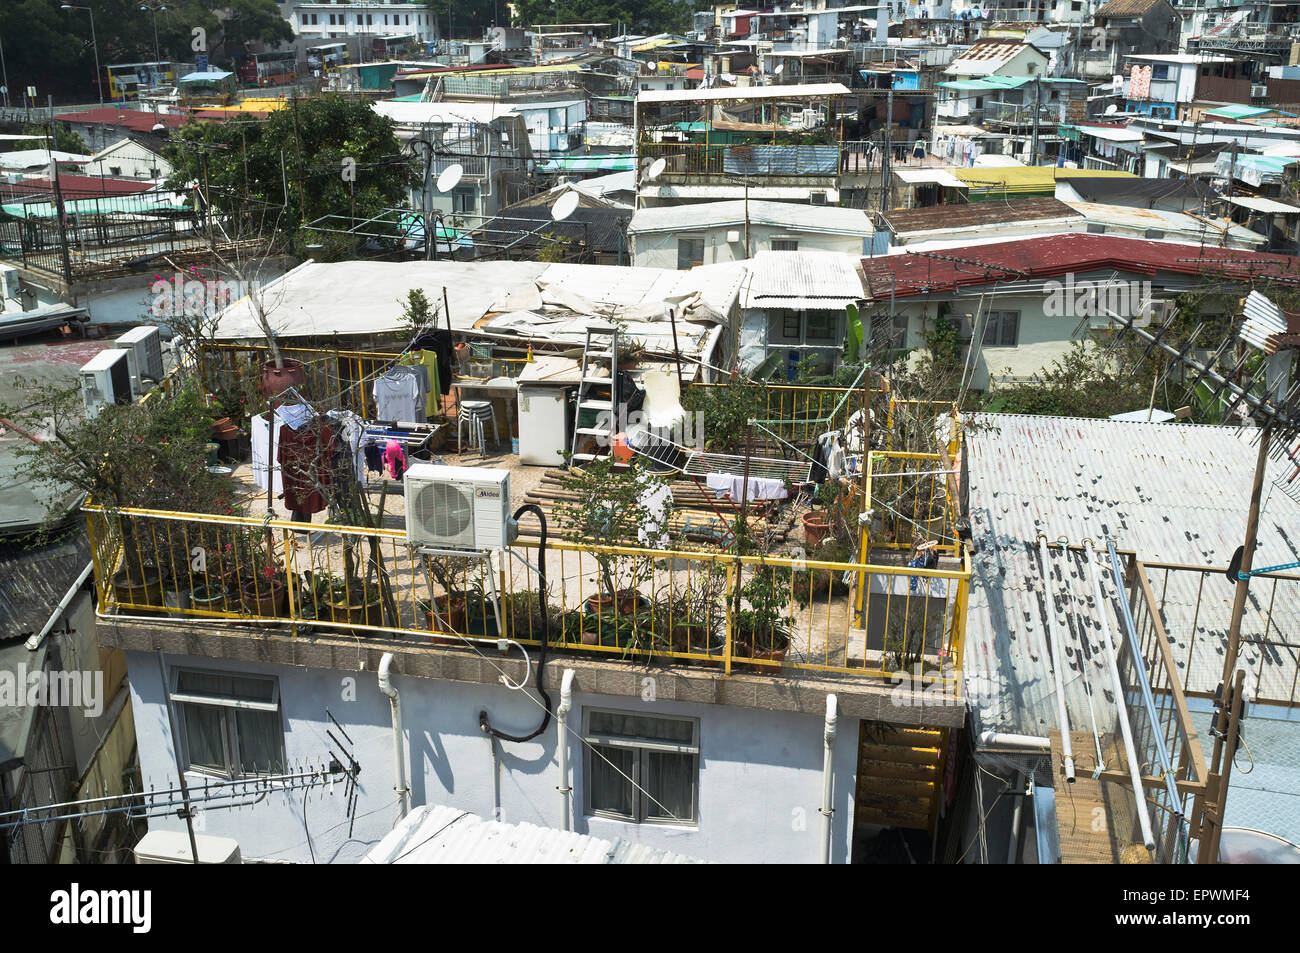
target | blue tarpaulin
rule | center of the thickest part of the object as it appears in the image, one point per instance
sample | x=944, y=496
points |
x=781, y=160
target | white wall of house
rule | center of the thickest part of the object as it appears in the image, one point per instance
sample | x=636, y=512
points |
x=550, y=124
x=660, y=249
x=760, y=772
x=128, y=159
x=1040, y=338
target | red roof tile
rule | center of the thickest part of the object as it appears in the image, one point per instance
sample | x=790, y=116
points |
x=133, y=119
x=1052, y=256
x=75, y=186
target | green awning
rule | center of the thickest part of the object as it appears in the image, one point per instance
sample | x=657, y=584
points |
x=589, y=164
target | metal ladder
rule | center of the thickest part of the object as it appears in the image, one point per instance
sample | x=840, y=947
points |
x=599, y=352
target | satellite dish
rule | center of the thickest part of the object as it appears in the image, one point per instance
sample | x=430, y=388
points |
x=779, y=67
x=1112, y=109
x=564, y=206
x=449, y=176
x=656, y=169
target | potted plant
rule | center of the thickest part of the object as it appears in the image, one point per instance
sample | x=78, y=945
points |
x=611, y=506
x=261, y=582
x=354, y=601
x=762, y=631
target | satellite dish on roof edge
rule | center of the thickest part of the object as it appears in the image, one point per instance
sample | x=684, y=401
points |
x=1112, y=109
x=449, y=176
x=656, y=169
x=564, y=206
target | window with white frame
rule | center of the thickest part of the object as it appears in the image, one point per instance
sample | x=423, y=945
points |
x=1002, y=329
x=641, y=768
x=230, y=724
x=690, y=252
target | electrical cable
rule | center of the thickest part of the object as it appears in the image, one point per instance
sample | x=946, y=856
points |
x=484, y=723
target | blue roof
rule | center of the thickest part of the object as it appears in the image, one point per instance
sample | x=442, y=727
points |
x=210, y=76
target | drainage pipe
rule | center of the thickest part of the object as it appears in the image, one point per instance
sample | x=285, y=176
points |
x=1130, y=754
x=1002, y=739
x=399, y=748
x=828, y=774
x=1058, y=663
x=562, y=745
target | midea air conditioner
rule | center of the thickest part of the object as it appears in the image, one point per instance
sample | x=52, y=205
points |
x=105, y=379
x=461, y=508
x=143, y=346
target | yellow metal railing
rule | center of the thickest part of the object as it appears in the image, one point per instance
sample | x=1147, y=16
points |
x=754, y=613
x=343, y=379
x=911, y=494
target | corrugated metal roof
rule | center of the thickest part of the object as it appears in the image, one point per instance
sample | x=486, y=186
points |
x=803, y=279
x=1171, y=492
x=828, y=219
x=1054, y=256
x=1124, y=9
x=437, y=834
x=809, y=91
x=940, y=218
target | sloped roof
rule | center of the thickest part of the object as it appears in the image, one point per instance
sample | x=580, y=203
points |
x=945, y=217
x=1125, y=9
x=438, y=834
x=135, y=119
x=1053, y=256
x=1174, y=493
x=829, y=219
x=803, y=279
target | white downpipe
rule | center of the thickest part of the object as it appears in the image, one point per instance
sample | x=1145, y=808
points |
x=1013, y=848
x=562, y=744
x=399, y=747
x=828, y=775
x=1002, y=739
x=34, y=642
x=1058, y=663
x=1134, y=769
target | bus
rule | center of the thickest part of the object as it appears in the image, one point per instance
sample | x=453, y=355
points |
x=275, y=68
x=127, y=81
x=327, y=57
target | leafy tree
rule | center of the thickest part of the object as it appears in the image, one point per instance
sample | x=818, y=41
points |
x=468, y=17
x=644, y=16
x=51, y=49
x=65, y=140
x=338, y=156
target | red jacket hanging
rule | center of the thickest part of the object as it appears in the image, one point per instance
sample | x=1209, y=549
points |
x=305, y=457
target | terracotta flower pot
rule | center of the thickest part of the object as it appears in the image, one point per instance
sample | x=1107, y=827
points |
x=593, y=609
x=815, y=529
x=275, y=380
x=451, y=609
x=138, y=587
x=264, y=597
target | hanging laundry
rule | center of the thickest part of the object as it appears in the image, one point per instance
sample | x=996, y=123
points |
x=760, y=488
x=399, y=394
x=394, y=460
x=433, y=406
x=440, y=342
x=374, y=455
x=305, y=457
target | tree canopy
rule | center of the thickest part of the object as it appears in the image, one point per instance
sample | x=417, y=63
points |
x=338, y=157
x=637, y=16
x=50, y=48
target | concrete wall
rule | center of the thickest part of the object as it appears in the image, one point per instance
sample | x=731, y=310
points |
x=760, y=771
x=659, y=249
x=1043, y=338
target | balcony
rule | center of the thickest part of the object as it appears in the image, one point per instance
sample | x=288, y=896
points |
x=111, y=237
x=244, y=578
x=692, y=163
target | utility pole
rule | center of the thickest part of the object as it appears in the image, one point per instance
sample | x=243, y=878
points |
x=1038, y=105
x=887, y=154
x=1228, y=704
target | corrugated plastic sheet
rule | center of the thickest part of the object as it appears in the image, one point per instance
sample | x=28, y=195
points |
x=1171, y=492
x=803, y=279
x=437, y=834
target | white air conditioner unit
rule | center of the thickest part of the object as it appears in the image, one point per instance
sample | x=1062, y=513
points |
x=460, y=508
x=173, y=847
x=105, y=379
x=143, y=346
